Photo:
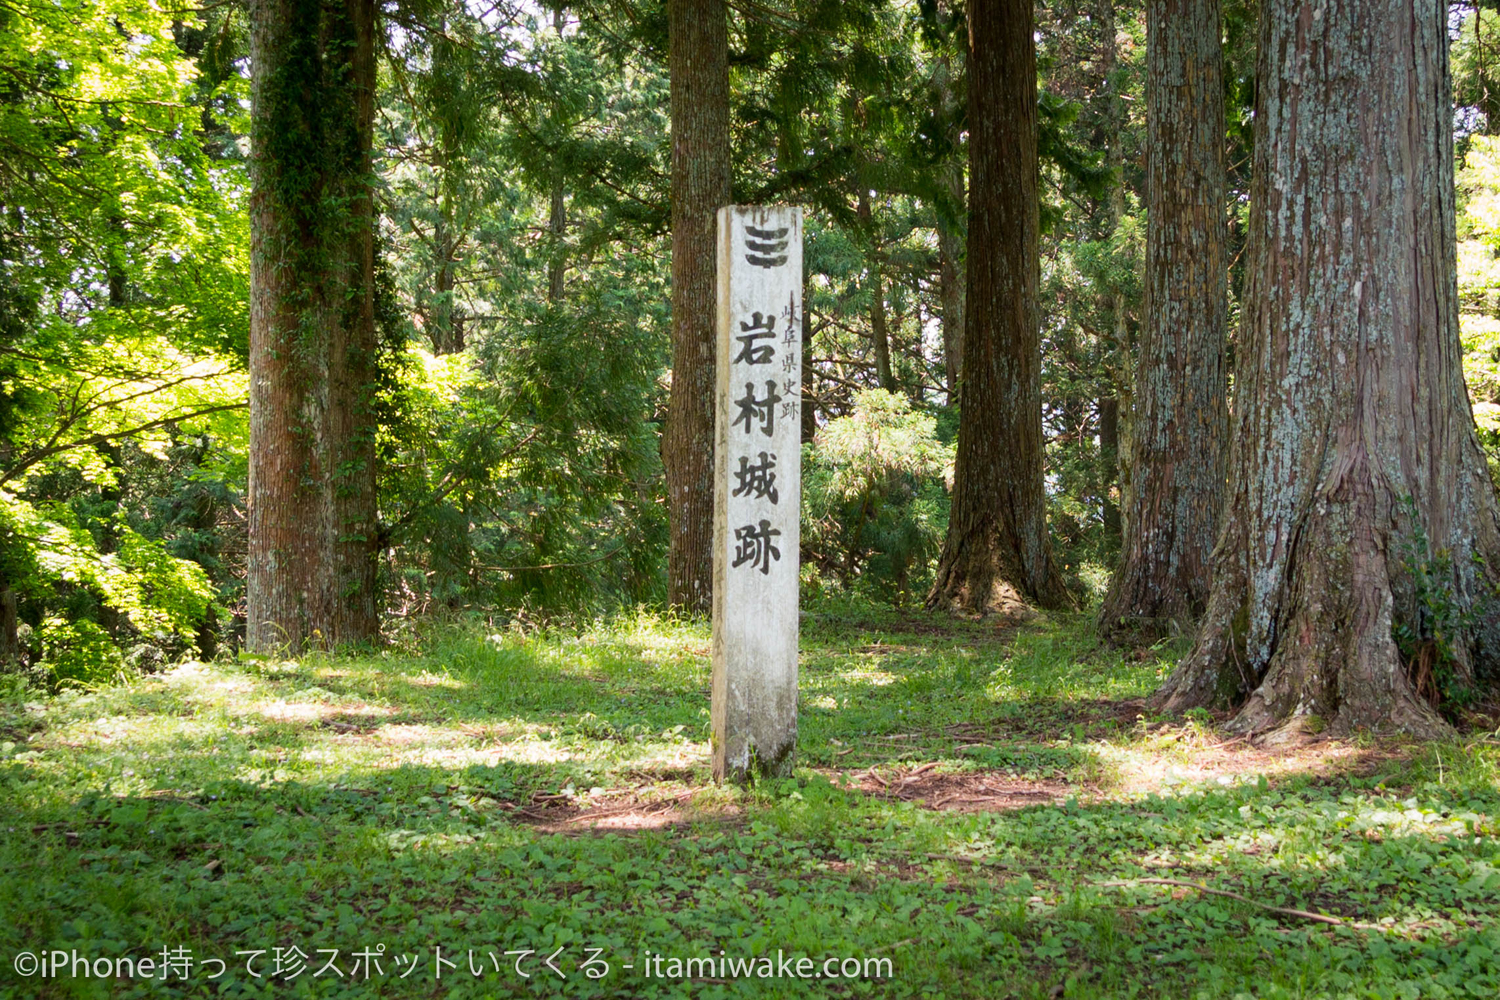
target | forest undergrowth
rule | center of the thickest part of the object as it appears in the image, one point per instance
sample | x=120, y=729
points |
x=978, y=812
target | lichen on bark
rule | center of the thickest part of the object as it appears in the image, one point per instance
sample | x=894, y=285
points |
x=1352, y=427
x=1178, y=437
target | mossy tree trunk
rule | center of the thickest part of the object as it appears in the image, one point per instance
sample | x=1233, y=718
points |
x=1181, y=418
x=997, y=556
x=1354, y=435
x=312, y=556
x=699, y=68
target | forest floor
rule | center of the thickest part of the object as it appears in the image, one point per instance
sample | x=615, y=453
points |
x=976, y=813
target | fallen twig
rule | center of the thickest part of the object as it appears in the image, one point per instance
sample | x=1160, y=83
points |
x=1321, y=918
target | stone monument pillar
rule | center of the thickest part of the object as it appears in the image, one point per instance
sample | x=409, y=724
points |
x=757, y=491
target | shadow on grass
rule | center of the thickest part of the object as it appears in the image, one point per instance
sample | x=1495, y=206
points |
x=971, y=905
x=410, y=803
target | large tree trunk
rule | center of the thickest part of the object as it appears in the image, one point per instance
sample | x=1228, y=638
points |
x=997, y=555
x=1354, y=438
x=699, y=66
x=312, y=558
x=1178, y=436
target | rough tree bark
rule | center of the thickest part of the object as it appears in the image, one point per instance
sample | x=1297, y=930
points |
x=1353, y=428
x=699, y=68
x=312, y=556
x=1179, y=432
x=997, y=556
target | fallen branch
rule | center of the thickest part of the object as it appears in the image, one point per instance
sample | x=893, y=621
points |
x=1321, y=918
x=892, y=947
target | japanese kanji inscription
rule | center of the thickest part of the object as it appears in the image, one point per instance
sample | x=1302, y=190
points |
x=758, y=458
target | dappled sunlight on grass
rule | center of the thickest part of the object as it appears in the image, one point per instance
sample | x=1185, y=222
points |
x=1002, y=798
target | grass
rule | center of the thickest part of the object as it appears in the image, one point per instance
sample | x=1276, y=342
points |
x=978, y=809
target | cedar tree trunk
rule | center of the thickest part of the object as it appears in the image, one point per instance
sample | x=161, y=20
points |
x=699, y=67
x=1181, y=419
x=312, y=557
x=997, y=555
x=1354, y=442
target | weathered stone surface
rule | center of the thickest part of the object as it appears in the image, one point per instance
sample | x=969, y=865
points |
x=758, y=486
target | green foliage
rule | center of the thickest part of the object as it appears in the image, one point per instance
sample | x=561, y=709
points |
x=157, y=597
x=1427, y=638
x=1479, y=287
x=520, y=466
x=79, y=651
x=874, y=505
x=521, y=472
x=123, y=320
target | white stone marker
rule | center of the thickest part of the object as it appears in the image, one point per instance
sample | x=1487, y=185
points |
x=757, y=491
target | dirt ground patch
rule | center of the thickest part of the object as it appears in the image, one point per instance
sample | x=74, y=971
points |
x=966, y=791
x=623, y=809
